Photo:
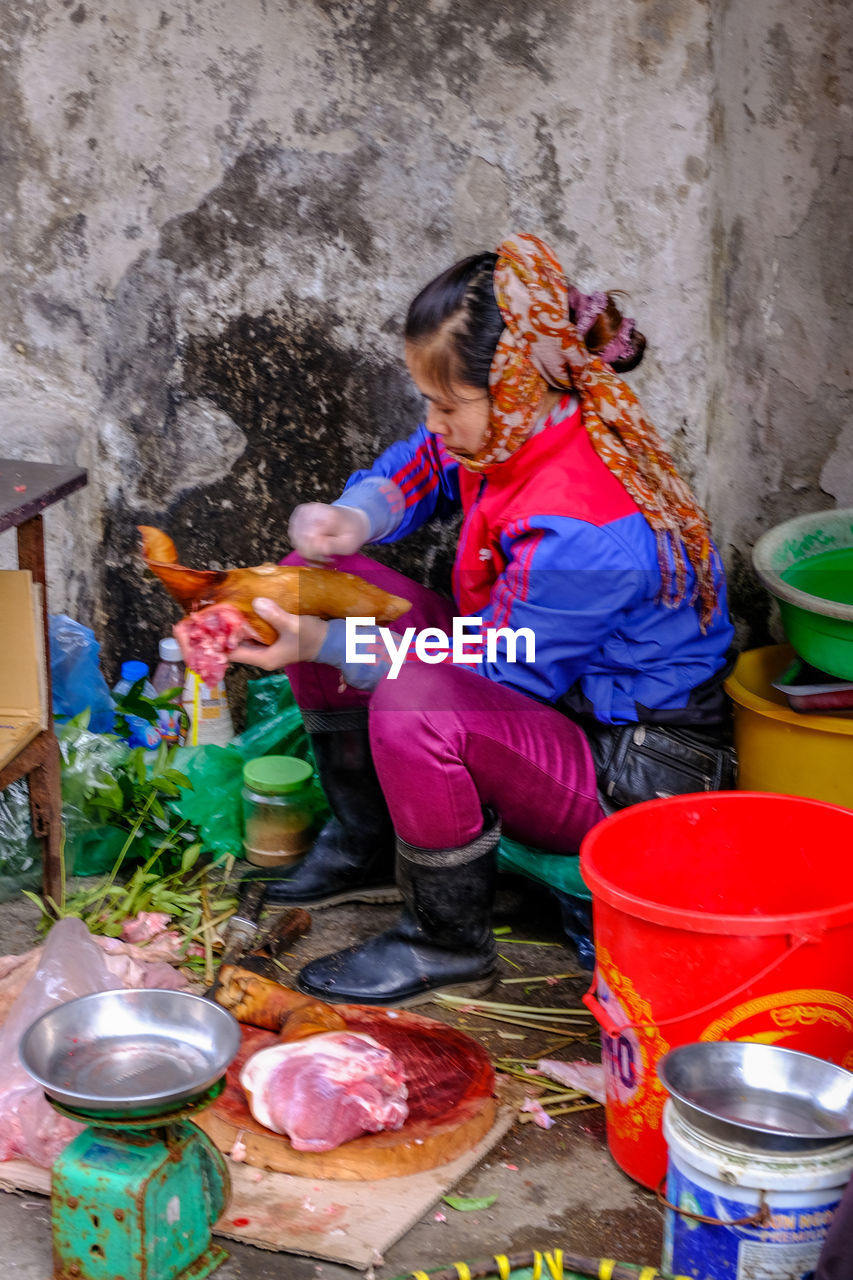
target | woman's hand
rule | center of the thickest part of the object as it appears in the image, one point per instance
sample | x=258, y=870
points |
x=300, y=638
x=318, y=531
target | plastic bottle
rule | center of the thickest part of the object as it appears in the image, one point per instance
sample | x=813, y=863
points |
x=208, y=711
x=170, y=673
x=141, y=733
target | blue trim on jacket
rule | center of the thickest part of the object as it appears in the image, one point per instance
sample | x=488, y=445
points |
x=589, y=591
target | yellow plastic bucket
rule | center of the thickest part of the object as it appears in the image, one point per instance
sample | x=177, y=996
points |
x=780, y=749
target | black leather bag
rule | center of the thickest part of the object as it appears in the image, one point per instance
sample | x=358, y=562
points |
x=635, y=762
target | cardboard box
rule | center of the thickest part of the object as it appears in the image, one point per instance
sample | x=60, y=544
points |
x=23, y=682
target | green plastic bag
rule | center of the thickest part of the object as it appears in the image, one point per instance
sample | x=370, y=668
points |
x=212, y=805
x=92, y=851
x=273, y=727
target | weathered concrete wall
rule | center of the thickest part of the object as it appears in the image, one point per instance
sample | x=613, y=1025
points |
x=781, y=432
x=215, y=216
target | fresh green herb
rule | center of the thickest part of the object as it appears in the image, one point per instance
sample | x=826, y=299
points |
x=123, y=799
x=103, y=784
x=136, y=703
x=185, y=895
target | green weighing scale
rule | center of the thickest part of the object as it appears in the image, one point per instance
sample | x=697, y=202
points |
x=136, y=1194
x=137, y=1198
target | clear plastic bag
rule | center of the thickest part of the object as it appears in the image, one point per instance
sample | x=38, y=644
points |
x=90, y=797
x=72, y=964
x=20, y=852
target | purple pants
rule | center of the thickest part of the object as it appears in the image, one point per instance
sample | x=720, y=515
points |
x=447, y=742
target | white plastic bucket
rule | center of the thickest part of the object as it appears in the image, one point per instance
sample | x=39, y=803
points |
x=800, y=1189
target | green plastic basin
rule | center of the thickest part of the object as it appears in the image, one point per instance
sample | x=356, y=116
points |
x=807, y=564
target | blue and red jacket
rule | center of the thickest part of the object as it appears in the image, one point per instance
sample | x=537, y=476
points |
x=552, y=541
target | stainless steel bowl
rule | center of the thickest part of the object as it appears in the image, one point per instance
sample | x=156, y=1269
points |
x=786, y=1096
x=127, y=1051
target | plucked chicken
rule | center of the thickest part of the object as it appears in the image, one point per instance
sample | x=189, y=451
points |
x=218, y=602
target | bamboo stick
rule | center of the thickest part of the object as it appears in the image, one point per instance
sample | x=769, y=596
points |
x=544, y=977
x=534, y=1076
x=444, y=998
x=578, y=1106
x=518, y=1022
x=208, y=937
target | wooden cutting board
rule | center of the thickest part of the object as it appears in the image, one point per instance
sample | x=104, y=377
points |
x=451, y=1085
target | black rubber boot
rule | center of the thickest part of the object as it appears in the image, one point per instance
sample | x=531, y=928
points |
x=443, y=940
x=352, y=859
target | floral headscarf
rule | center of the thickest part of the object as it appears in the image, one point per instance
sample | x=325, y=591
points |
x=541, y=348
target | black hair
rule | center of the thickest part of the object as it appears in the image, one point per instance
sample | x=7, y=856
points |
x=458, y=305
x=455, y=324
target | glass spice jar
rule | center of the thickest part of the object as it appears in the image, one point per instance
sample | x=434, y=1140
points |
x=278, y=809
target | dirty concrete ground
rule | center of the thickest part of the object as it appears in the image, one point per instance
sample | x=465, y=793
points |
x=555, y=1188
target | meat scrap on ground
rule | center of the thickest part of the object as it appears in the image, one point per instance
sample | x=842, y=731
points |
x=326, y=1090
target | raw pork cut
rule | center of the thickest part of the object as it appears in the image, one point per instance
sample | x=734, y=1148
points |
x=208, y=638
x=326, y=1090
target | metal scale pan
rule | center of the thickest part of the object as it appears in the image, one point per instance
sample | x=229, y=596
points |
x=749, y=1094
x=130, y=1053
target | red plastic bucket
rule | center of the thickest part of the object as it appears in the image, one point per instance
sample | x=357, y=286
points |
x=725, y=915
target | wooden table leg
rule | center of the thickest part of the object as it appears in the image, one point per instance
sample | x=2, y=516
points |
x=45, y=786
x=45, y=782
x=31, y=556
